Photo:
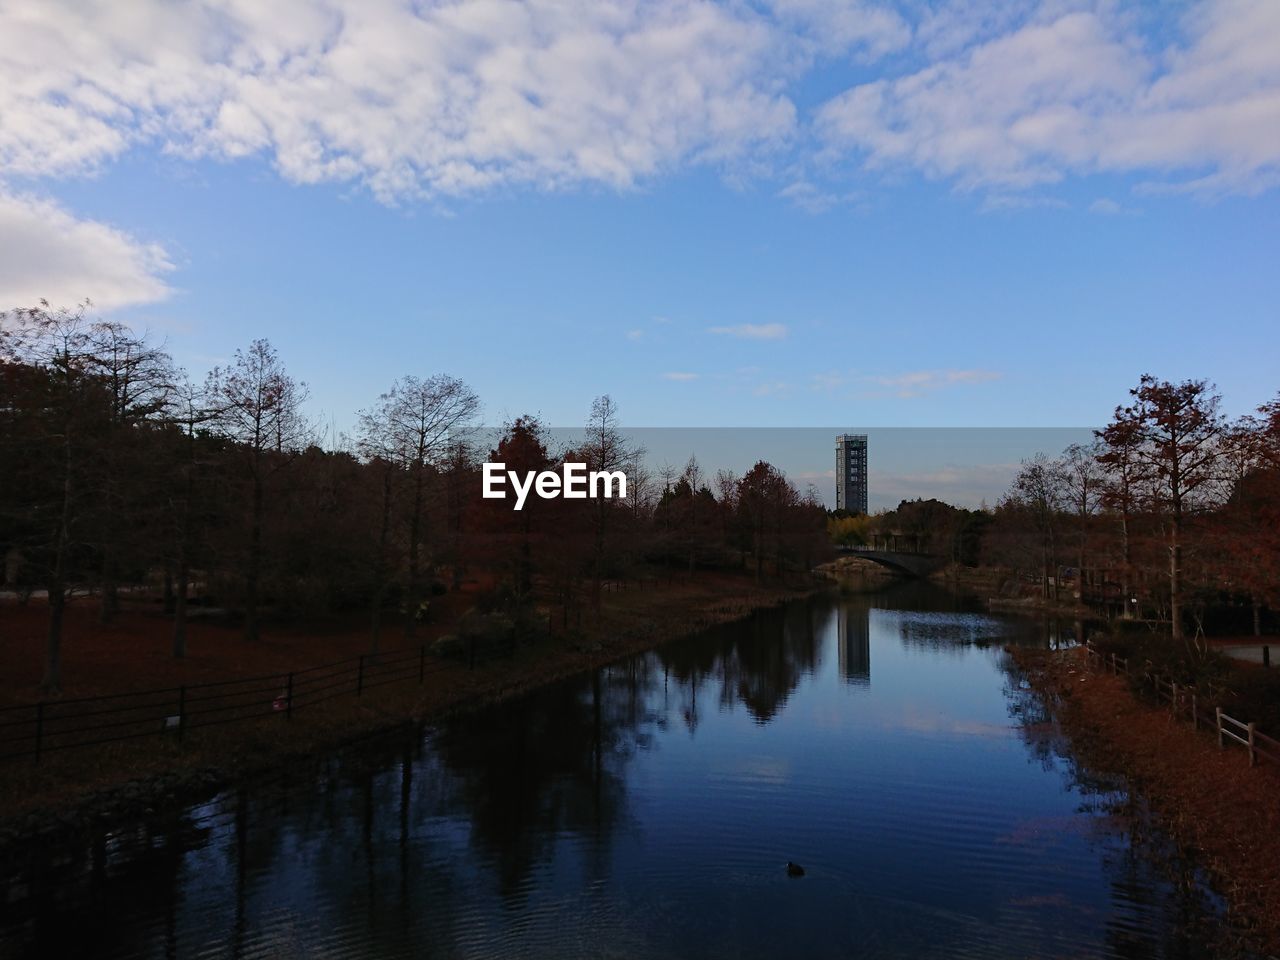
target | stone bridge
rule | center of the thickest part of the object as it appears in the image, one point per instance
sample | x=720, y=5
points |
x=910, y=564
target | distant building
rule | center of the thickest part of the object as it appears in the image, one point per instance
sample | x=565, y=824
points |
x=851, y=472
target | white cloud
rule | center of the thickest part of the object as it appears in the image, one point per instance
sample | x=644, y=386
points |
x=828, y=382
x=997, y=202
x=917, y=382
x=1105, y=206
x=753, y=331
x=456, y=97
x=835, y=27
x=1078, y=93
x=771, y=389
x=814, y=199
x=408, y=98
x=46, y=253
x=680, y=377
x=635, y=335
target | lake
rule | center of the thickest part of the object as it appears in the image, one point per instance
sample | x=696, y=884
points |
x=885, y=742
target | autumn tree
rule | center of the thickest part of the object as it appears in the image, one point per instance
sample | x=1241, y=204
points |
x=1123, y=490
x=1245, y=532
x=1179, y=428
x=520, y=536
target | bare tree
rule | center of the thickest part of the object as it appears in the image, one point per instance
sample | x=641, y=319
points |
x=414, y=425
x=1082, y=481
x=64, y=422
x=138, y=379
x=258, y=406
x=189, y=412
x=1038, y=489
x=606, y=448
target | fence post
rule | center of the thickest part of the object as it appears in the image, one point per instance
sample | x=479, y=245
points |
x=1217, y=712
x=360, y=677
x=288, y=698
x=1173, y=700
x=1113, y=664
x=1266, y=656
x=39, y=728
x=1253, y=757
x=182, y=711
x=422, y=662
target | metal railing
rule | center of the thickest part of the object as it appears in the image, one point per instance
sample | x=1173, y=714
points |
x=34, y=730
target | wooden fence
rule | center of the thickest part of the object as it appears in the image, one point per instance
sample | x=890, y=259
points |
x=1200, y=707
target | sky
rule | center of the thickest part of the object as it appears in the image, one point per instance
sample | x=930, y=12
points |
x=776, y=213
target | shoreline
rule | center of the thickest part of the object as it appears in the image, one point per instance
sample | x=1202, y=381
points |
x=56, y=804
x=1210, y=801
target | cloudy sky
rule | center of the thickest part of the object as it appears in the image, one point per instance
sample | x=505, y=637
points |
x=775, y=212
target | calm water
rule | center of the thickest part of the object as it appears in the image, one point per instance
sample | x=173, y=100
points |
x=885, y=743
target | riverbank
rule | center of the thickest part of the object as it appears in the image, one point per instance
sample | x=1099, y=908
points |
x=1211, y=801
x=71, y=792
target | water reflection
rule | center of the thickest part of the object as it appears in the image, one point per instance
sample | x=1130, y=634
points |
x=854, y=644
x=646, y=810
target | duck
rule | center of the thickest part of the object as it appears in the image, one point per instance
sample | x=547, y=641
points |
x=794, y=869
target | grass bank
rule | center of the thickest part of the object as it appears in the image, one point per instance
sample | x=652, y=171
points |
x=1225, y=813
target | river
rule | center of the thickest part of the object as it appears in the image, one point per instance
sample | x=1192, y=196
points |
x=885, y=742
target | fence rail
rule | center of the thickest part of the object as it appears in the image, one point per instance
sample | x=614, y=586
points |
x=34, y=730
x=1186, y=700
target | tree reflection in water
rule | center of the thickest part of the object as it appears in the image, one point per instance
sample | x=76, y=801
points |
x=574, y=812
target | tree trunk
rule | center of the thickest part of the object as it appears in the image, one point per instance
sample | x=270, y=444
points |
x=1175, y=582
x=180, y=610
x=1126, y=570
x=52, y=682
x=380, y=572
x=109, y=593
x=413, y=593
x=253, y=570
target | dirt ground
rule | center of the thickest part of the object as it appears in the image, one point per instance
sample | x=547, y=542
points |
x=135, y=650
x=1210, y=800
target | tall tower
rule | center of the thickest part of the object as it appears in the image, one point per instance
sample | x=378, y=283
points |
x=851, y=472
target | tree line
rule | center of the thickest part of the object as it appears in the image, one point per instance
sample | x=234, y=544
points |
x=118, y=469
x=1171, y=509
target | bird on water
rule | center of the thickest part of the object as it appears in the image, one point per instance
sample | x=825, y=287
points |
x=794, y=869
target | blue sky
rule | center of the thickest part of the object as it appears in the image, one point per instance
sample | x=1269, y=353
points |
x=784, y=213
